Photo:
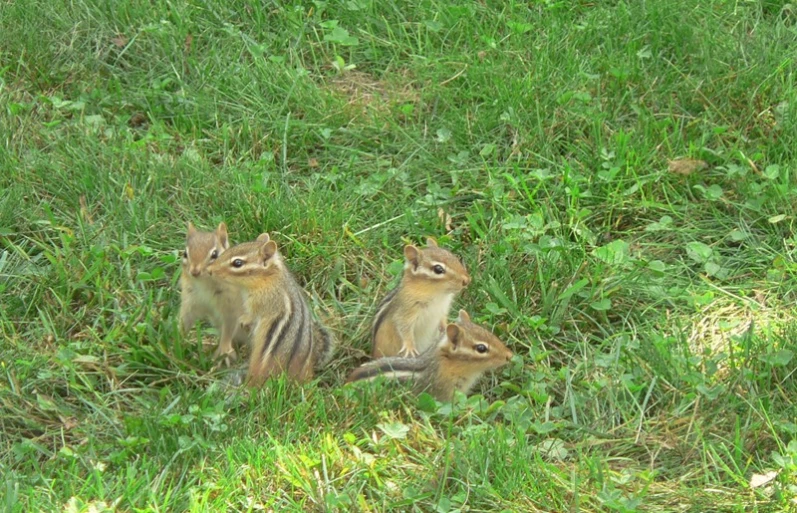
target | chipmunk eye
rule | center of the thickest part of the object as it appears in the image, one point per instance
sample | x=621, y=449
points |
x=481, y=348
x=185, y=253
x=237, y=263
x=438, y=269
x=214, y=255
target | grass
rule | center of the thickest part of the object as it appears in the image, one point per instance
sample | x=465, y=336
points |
x=650, y=298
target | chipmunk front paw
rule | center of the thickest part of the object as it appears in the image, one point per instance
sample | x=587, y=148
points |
x=408, y=351
x=225, y=358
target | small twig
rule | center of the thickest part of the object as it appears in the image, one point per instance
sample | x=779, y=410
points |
x=378, y=225
x=642, y=409
x=460, y=72
x=285, y=144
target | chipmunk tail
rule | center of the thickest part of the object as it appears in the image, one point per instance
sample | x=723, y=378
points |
x=325, y=348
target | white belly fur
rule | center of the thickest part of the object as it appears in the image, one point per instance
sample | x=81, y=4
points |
x=217, y=305
x=427, y=324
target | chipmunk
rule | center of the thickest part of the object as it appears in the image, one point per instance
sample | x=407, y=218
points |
x=202, y=300
x=411, y=317
x=464, y=353
x=285, y=337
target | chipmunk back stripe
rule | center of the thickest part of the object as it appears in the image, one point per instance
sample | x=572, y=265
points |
x=388, y=298
x=302, y=333
x=279, y=330
x=382, y=310
x=292, y=328
x=272, y=331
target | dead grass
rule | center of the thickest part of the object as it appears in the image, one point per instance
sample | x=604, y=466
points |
x=364, y=93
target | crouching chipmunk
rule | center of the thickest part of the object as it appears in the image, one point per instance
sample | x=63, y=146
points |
x=463, y=354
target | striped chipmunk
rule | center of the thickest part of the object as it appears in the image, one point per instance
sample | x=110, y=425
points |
x=285, y=336
x=463, y=354
x=412, y=316
x=201, y=299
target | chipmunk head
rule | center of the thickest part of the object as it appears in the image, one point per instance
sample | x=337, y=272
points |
x=436, y=264
x=472, y=345
x=202, y=248
x=247, y=261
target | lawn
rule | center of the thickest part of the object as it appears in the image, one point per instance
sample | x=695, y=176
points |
x=620, y=178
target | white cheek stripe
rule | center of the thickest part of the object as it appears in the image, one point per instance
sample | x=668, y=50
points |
x=477, y=354
x=427, y=272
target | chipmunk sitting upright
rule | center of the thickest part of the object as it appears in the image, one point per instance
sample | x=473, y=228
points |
x=285, y=336
x=464, y=353
x=202, y=300
x=411, y=317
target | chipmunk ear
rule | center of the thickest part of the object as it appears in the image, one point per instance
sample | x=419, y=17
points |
x=453, y=333
x=463, y=316
x=431, y=242
x=268, y=250
x=221, y=234
x=191, y=228
x=412, y=254
x=263, y=237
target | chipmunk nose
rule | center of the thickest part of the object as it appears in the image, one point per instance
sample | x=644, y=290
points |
x=195, y=272
x=465, y=281
x=509, y=355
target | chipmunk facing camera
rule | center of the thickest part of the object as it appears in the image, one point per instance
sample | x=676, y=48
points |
x=412, y=316
x=285, y=336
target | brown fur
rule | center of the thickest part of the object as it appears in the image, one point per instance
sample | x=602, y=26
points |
x=285, y=336
x=410, y=319
x=455, y=364
x=200, y=299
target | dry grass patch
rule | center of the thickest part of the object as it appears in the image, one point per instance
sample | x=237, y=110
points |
x=363, y=92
